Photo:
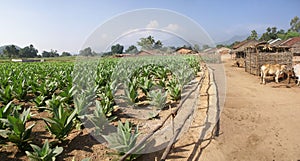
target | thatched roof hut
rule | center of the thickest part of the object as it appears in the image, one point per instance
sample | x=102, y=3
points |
x=144, y=53
x=240, y=49
x=184, y=50
x=224, y=50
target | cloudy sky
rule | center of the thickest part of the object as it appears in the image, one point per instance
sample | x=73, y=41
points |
x=70, y=25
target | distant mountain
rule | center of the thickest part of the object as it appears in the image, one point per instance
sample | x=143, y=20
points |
x=233, y=39
x=3, y=47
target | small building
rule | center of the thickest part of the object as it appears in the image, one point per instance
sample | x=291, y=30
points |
x=239, y=50
x=184, y=50
x=224, y=50
x=145, y=53
x=293, y=44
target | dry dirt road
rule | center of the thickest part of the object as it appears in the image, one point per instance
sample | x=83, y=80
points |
x=258, y=122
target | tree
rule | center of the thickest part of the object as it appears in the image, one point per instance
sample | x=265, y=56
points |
x=291, y=34
x=295, y=24
x=86, y=52
x=52, y=53
x=28, y=52
x=65, y=53
x=11, y=51
x=146, y=43
x=45, y=54
x=253, y=35
x=117, y=49
x=281, y=34
x=158, y=45
x=131, y=49
x=270, y=34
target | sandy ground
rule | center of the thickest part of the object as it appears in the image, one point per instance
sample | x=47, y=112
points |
x=258, y=122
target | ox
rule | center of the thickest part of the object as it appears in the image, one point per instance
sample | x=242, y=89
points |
x=272, y=69
x=296, y=70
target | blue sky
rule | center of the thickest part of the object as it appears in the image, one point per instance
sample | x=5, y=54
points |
x=66, y=25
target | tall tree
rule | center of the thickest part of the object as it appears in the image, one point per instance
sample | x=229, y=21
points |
x=86, y=52
x=52, y=53
x=253, y=35
x=28, y=52
x=117, y=49
x=131, y=49
x=270, y=34
x=295, y=24
x=11, y=51
x=65, y=53
x=146, y=43
x=158, y=45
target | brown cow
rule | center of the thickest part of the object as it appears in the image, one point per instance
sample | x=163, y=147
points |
x=271, y=69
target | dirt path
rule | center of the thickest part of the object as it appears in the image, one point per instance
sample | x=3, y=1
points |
x=258, y=122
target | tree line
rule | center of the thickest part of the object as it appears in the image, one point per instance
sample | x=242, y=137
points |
x=12, y=51
x=273, y=33
x=145, y=43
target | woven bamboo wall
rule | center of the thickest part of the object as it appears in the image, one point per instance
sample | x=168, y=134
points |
x=255, y=60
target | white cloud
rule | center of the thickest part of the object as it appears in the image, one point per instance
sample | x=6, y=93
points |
x=153, y=24
x=172, y=27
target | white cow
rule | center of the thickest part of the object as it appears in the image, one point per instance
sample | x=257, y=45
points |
x=296, y=69
x=271, y=69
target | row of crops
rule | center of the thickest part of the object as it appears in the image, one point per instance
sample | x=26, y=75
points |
x=85, y=94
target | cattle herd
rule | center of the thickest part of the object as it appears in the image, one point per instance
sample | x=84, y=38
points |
x=279, y=69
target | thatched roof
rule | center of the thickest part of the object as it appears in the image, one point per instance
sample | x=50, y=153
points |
x=144, y=53
x=244, y=44
x=183, y=50
x=290, y=42
x=224, y=50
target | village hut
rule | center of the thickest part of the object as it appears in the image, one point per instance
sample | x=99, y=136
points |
x=224, y=50
x=240, y=49
x=267, y=52
x=184, y=50
x=145, y=53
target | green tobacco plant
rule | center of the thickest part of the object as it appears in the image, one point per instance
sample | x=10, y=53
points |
x=106, y=106
x=55, y=102
x=174, y=89
x=20, y=89
x=46, y=153
x=99, y=119
x=39, y=101
x=158, y=99
x=124, y=139
x=81, y=103
x=18, y=133
x=6, y=94
x=131, y=91
x=5, y=111
x=68, y=93
x=145, y=84
x=61, y=124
